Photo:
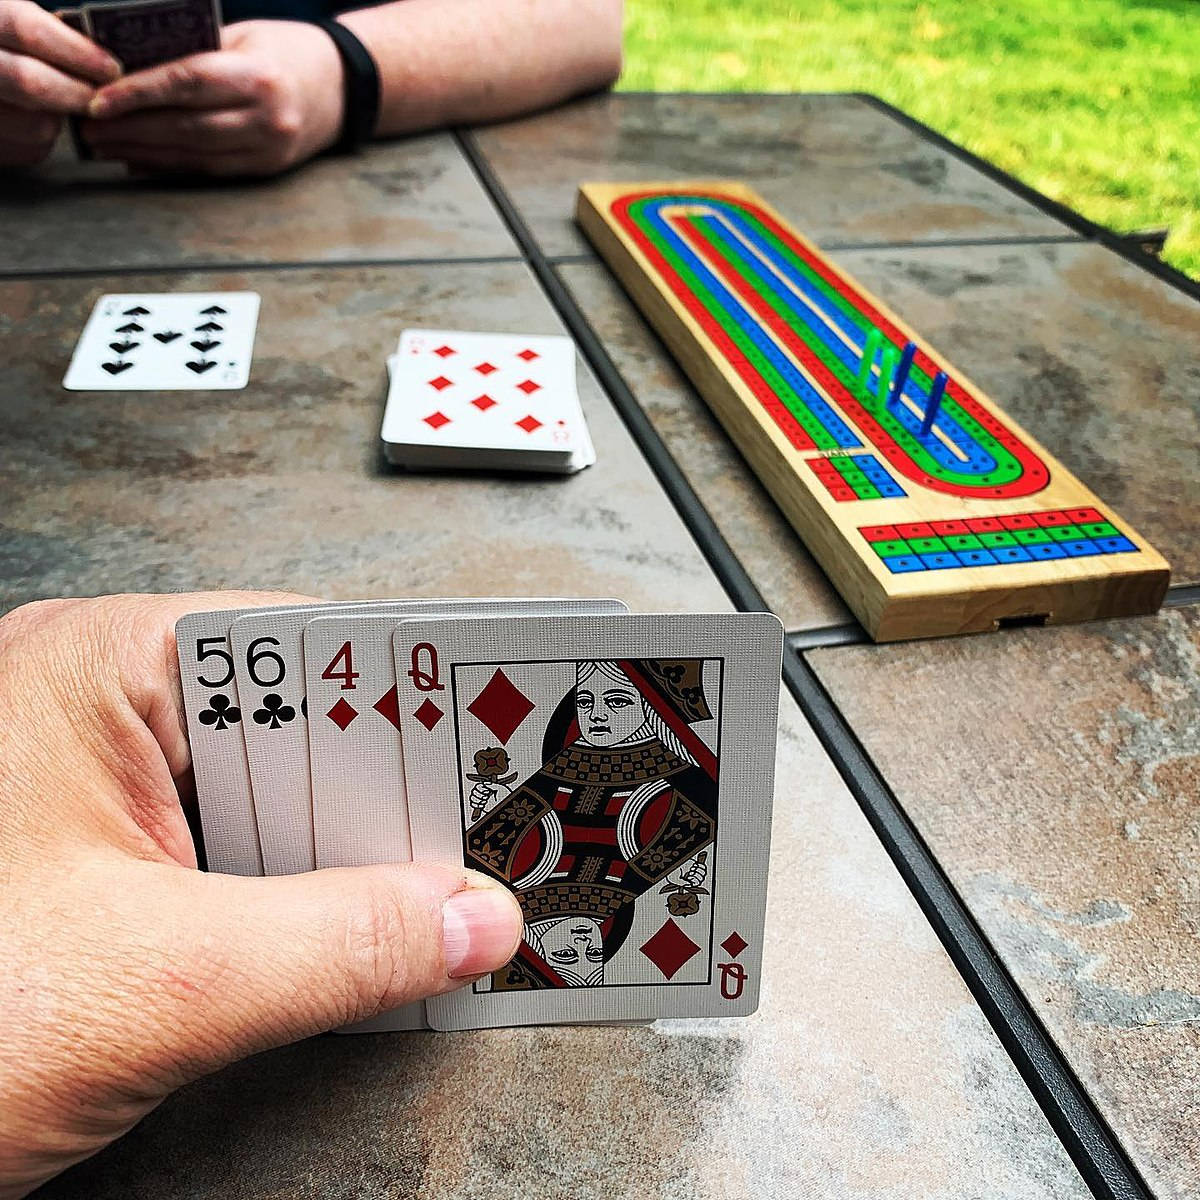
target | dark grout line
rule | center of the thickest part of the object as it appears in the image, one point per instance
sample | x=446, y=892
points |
x=1082, y=1129
x=1068, y=239
x=1087, y=1137
x=1182, y=596
x=643, y=95
x=334, y=264
x=835, y=247
x=851, y=634
x=1073, y=220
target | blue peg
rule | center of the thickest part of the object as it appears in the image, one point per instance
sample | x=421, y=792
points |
x=906, y=361
x=935, y=402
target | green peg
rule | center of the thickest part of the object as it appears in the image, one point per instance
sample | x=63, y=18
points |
x=887, y=368
x=870, y=349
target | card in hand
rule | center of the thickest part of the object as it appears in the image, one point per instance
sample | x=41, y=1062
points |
x=485, y=399
x=166, y=342
x=145, y=33
x=214, y=725
x=76, y=19
x=616, y=773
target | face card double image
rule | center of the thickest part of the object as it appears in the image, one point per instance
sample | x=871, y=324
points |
x=616, y=773
x=166, y=342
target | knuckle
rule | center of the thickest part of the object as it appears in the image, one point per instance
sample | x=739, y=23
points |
x=24, y=78
x=182, y=80
x=375, y=958
x=11, y=22
x=267, y=84
x=285, y=124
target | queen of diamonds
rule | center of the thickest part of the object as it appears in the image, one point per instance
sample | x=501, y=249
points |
x=626, y=798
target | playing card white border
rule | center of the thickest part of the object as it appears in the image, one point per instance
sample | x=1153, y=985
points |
x=751, y=646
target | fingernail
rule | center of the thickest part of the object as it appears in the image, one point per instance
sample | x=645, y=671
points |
x=97, y=106
x=480, y=930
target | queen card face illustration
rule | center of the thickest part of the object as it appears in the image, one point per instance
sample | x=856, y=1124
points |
x=591, y=789
x=595, y=785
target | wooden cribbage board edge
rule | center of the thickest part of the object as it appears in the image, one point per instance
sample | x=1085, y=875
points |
x=891, y=607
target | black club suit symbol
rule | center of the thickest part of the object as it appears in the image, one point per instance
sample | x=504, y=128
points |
x=274, y=712
x=221, y=713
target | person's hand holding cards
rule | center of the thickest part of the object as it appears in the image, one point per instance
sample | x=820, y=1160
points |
x=125, y=972
x=48, y=70
x=270, y=98
x=614, y=770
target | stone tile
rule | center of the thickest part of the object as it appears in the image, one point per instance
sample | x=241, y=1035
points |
x=416, y=198
x=782, y=569
x=1097, y=359
x=1054, y=774
x=283, y=484
x=838, y=168
x=868, y=1071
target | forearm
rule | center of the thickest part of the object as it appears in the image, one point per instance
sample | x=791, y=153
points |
x=447, y=62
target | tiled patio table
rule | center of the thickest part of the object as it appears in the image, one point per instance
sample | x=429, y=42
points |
x=980, y=971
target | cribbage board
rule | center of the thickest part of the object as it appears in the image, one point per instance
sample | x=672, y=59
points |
x=930, y=510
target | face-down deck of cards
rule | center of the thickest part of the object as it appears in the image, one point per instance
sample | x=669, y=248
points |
x=614, y=770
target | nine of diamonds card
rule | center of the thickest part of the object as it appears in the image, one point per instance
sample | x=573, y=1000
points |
x=186, y=341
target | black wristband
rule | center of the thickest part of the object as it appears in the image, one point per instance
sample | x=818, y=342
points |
x=361, y=88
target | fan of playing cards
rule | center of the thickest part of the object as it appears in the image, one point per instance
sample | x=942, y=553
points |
x=614, y=770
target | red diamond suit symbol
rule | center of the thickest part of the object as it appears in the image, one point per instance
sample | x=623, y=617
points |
x=670, y=948
x=734, y=944
x=501, y=706
x=341, y=714
x=388, y=706
x=429, y=714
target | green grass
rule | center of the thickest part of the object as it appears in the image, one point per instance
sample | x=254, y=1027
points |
x=1093, y=102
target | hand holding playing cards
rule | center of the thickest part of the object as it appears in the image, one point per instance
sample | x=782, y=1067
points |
x=269, y=99
x=123, y=971
x=46, y=72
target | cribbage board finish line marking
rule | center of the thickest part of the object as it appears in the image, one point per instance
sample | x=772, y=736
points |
x=805, y=369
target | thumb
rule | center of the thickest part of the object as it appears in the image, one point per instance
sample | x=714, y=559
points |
x=264, y=961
